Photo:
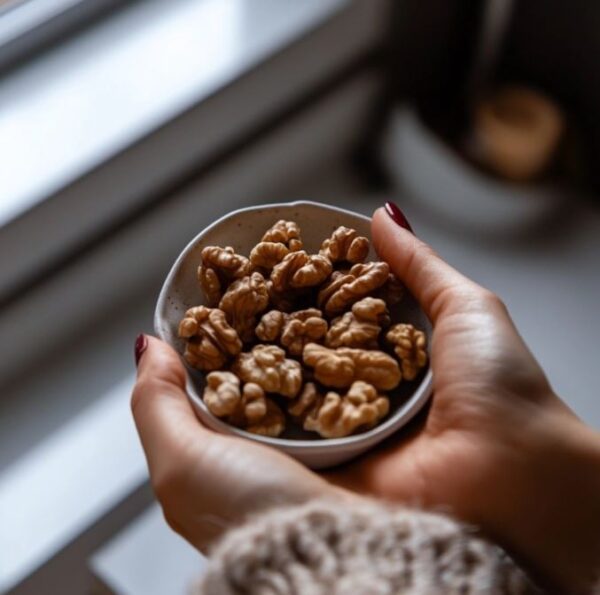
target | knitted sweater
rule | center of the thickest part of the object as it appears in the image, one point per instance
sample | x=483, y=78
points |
x=324, y=548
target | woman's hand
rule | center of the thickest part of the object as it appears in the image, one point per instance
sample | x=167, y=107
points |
x=497, y=447
x=207, y=482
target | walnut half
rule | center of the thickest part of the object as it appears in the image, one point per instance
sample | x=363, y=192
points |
x=361, y=327
x=247, y=408
x=340, y=367
x=344, y=289
x=299, y=270
x=410, y=345
x=218, y=268
x=345, y=245
x=286, y=233
x=335, y=415
x=294, y=330
x=267, y=366
x=244, y=299
x=210, y=341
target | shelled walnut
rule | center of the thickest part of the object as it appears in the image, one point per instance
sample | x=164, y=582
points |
x=218, y=268
x=244, y=299
x=267, y=366
x=340, y=367
x=284, y=232
x=299, y=270
x=292, y=331
x=267, y=254
x=361, y=327
x=410, y=345
x=210, y=341
x=345, y=289
x=345, y=245
x=335, y=415
x=247, y=408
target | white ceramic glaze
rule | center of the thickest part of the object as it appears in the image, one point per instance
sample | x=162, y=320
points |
x=243, y=229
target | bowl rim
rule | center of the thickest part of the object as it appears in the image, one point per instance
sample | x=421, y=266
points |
x=398, y=419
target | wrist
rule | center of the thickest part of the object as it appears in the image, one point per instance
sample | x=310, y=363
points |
x=553, y=523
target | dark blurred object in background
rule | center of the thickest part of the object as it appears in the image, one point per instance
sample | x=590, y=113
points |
x=554, y=46
x=438, y=62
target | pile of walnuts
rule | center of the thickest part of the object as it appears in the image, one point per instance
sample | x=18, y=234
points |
x=309, y=335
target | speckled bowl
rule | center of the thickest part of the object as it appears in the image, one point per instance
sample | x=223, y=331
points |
x=243, y=229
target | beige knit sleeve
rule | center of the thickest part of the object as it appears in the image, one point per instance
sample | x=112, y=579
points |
x=325, y=548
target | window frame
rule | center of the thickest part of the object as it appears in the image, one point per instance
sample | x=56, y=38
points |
x=29, y=25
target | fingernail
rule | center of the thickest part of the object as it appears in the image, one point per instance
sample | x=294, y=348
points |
x=393, y=210
x=141, y=343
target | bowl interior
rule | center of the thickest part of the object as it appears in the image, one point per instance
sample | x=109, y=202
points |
x=242, y=230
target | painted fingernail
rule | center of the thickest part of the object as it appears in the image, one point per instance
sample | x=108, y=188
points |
x=141, y=343
x=393, y=210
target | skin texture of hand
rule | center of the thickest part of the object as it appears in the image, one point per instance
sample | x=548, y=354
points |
x=497, y=448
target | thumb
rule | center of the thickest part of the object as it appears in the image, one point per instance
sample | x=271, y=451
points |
x=439, y=288
x=163, y=415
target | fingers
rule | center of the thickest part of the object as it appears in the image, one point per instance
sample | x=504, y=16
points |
x=437, y=286
x=163, y=415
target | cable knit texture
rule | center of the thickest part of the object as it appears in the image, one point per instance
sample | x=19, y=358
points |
x=324, y=548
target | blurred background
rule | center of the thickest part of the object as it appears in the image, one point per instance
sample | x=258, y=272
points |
x=128, y=126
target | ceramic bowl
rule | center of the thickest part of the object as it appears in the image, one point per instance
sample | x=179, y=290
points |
x=243, y=229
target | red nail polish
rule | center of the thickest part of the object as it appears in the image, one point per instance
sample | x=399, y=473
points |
x=397, y=215
x=140, y=346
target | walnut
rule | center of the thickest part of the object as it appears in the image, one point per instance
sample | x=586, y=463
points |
x=294, y=330
x=219, y=267
x=248, y=409
x=347, y=288
x=410, y=345
x=361, y=327
x=284, y=232
x=302, y=327
x=222, y=393
x=267, y=366
x=272, y=424
x=337, y=280
x=254, y=403
x=270, y=326
x=331, y=368
x=340, y=367
x=345, y=245
x=244, y=299
x=210, y=339
x=299, y=270
x=308, y=400
x=392, y=291
x=336, y=416
x=268, y=254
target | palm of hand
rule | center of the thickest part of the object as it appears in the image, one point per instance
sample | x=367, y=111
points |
x=487, y=386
